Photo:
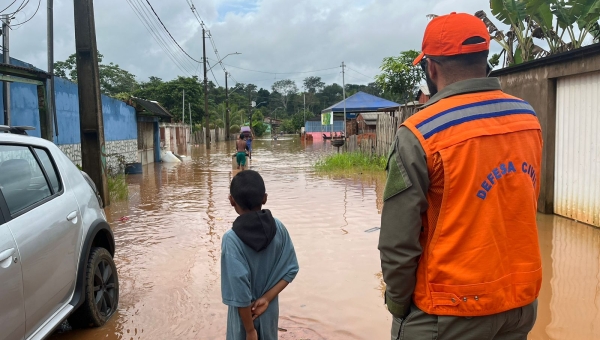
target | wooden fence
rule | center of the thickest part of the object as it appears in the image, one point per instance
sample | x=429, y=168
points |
x=386, y=133
x=363, y=145
x=378, y=144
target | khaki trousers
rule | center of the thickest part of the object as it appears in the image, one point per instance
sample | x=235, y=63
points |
x=514, y=324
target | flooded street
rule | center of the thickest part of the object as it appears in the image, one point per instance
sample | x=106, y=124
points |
x=168, y=238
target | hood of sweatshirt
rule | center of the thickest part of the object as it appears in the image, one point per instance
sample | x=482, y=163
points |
x=256, y=229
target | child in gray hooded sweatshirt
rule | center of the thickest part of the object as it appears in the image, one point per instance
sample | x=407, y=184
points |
x=257, y=262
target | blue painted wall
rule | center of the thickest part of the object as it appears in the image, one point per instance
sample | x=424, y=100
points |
x=119, y=118
x=23, y=102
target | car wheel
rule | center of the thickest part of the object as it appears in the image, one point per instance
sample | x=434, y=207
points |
x=101, y=290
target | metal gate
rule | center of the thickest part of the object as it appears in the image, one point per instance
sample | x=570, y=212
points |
x=577, y=163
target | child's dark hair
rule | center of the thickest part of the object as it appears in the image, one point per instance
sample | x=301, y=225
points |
x=248, y=189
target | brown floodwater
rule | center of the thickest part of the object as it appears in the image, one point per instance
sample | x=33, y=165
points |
x=168, y=237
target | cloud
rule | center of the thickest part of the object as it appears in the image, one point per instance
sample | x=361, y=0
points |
x=275, y=36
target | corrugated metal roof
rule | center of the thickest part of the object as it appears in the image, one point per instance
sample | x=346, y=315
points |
x=32, y=71
x=153, y=107
x=370, y=117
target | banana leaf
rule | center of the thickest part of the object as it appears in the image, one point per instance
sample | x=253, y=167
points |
x=509, y=12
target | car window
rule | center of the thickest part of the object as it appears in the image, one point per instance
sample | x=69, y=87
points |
x=50, y=169
x=21, y=179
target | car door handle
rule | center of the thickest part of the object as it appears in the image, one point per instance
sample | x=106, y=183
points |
x=72, y=216
x=6, y=254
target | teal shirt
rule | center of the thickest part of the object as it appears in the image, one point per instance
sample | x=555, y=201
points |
x=247, y=275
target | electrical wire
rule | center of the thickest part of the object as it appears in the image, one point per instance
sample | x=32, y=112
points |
x=7, y=7
x=20, y=8
x=267, y=72
x=26, y=21
x=293, y=78
x=213, y=74
x=165, y=27
x=146, y=20
x=371, y=78
x=351, y=77
x=210, y=37
x=156, y=36
x=160, y=33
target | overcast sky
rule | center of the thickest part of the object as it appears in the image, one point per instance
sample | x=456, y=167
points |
x=274, y=36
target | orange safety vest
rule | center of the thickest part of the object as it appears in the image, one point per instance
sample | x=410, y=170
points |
x=481, y=253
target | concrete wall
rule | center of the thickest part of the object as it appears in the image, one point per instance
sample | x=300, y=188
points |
x=535, y=82
x=120, y=125
x=175, y=137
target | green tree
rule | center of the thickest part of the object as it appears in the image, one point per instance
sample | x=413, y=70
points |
x=399, y=77
x=258, y=123
x=285, y=88
x=169, y=94
x=313, y=84
x=113, y=79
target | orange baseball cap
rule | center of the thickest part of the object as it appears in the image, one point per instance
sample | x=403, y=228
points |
x=448, y=35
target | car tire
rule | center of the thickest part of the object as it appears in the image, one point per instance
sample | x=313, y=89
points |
x=101, y=291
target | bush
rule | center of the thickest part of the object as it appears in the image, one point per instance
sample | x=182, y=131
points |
x=234, y=129
x=259, y=128
x=117, y=188
x=351, y=162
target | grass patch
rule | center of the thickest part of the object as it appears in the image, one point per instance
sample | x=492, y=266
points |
x=117, y=188
x=351, y=162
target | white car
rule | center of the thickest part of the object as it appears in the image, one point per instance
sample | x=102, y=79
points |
x=56, y=247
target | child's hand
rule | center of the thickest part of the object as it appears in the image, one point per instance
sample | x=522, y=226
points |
x=259, y=307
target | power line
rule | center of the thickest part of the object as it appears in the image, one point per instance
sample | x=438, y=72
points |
x=26, y=21
x=267, y=72
x=371, y=78
x=165, y=27
x=21, y=7
x=139, y=12
x=167, y=41
x=293, y=78
x=146, y=21
x=213, y=74
x=210, y=37
x=7, y=7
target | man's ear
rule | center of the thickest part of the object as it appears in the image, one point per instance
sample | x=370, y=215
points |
x=265, y=199
x=433, y=70
x=232, y=201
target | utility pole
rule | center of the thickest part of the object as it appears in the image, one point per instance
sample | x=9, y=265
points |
x=6, y=53
x=183, y=109
x=93, y=149
x=250, y=107
x=51, y=115
x=344, y=92
x=207, y=127
x=304, y=107
x=226, y=109
x=191, y=131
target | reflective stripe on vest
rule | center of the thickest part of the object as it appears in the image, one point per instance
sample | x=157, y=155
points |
x=473, y=111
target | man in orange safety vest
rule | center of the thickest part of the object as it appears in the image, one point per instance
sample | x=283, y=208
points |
x=459, y=243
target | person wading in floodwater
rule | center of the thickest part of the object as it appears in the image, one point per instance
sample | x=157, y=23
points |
x=240, y=148
x=459, y=244
x=249, y=144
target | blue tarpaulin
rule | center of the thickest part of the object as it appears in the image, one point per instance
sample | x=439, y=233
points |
x=361, y=102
